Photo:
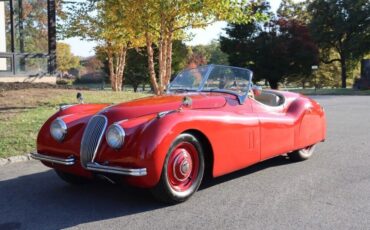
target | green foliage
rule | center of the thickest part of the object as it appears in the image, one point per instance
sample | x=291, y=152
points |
x=180, y=53
x=278, y=50
x=65, y=59
x=294, y=10
x=343, y=27
x=211, y=52
x=120, y=25
x=137, y=69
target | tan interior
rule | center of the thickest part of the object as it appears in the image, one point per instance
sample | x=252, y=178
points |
x=269, y=98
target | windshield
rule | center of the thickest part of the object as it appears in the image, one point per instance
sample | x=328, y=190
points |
x=189, y=79
x=213, y=78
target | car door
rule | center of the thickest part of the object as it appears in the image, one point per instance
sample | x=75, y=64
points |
x=236, y=142
x=276, y=129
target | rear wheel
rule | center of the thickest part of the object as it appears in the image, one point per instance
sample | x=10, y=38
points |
x=182, y=170
x=71, y=178
x=302, y=154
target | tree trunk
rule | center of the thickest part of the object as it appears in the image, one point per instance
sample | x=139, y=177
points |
x=112, y=76
x=116, y=63
x=121, y=67
x=273, y=84
x=303, y=83
x=161, y=57
x=169, y=59
x=135, y=86
x=152, y=74
x=164, y=65
x=344, y=71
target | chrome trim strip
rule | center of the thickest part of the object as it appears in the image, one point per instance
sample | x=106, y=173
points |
x=164, y=113
x=116, y=170
x=56, y=160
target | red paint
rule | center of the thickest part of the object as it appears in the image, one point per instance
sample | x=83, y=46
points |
x=240, y=134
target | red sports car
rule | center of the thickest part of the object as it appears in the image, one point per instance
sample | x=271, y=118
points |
x=212, y=120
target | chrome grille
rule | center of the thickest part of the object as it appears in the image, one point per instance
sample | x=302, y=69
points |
x=91, y=138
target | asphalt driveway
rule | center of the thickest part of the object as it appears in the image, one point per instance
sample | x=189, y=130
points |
x=329, y=191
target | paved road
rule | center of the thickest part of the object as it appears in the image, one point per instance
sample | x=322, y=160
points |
x=329, y=191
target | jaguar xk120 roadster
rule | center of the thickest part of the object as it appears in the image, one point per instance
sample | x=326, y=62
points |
x=211, y=121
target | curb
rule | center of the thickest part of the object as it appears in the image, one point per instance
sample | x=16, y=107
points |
x=15, y=159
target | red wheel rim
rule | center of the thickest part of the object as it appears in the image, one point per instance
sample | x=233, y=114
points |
x=183, y=166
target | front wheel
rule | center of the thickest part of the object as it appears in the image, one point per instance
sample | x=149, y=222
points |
x=182, y=171
x=302, y=154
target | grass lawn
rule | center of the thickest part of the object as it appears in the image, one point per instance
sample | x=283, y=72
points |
x=23, y=112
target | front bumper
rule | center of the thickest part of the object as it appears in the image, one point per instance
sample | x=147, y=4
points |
x=92, y=166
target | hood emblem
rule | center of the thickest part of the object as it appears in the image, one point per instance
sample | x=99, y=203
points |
x=186, y=102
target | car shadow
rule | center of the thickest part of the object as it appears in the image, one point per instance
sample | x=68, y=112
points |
x=43, y=201
x=273, y=162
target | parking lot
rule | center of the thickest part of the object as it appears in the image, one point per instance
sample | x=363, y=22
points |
x=329, y=191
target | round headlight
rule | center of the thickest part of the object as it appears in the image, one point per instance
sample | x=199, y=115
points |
x=115, y=136
x=58, y=129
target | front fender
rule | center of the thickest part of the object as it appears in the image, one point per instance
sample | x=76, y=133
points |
x=76, y=118
x=147, y=143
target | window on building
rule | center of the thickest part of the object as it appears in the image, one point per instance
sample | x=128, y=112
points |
x=27, y=30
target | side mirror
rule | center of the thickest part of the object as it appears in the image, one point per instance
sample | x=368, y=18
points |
x=257, y=90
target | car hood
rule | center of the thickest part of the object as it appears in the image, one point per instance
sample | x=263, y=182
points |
x=155, y=104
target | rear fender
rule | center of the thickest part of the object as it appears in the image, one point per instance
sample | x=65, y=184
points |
x=310, y=122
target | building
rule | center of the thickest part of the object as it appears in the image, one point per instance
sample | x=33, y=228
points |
x=27, y=40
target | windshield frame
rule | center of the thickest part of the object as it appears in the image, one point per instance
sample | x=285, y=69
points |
x=241, y=98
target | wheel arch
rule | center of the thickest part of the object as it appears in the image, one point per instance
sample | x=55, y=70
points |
x=207, y=150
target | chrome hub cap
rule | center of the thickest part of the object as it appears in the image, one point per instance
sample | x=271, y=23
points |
x=182, y=166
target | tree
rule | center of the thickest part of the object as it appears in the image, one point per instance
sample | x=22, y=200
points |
x=275, y=50
x=301, y=50
x=65, y=59
x=211, y=52
x=342, y=26
x=179, y=56
x=95, y=20
x=137, y=69
x=94, y=66
x=163, y=21
x=293, y=10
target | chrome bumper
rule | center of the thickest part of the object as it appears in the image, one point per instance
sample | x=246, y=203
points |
x=56, y=160
x=91, y=166
x=116, y=170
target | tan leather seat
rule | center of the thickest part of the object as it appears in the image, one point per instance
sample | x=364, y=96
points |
x=268, y=98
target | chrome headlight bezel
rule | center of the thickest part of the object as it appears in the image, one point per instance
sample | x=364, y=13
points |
x=58, y=129
x=115, y=136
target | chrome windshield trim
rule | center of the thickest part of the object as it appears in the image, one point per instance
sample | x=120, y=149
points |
x=56, y=160
x=116, y=170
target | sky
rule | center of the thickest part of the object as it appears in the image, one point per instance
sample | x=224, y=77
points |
x=84, y=48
